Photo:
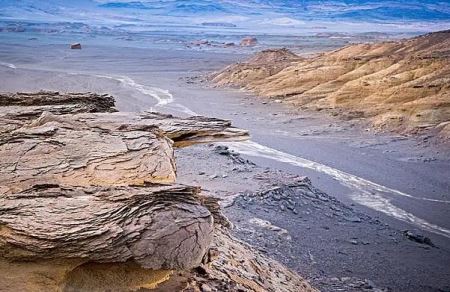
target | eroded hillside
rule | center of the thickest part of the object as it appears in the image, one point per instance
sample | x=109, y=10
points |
x=402, y=85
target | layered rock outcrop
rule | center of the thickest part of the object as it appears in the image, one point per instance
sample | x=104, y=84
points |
x=401, y=85
x=84, y=190
x=157, y=226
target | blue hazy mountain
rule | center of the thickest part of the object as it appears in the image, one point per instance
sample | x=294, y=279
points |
x=345, y=9
x=348, y=9
x=125, y=5
x=240, y=12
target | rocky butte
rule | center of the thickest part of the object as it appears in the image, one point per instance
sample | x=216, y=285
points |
x=89, y=202
x=398, y=85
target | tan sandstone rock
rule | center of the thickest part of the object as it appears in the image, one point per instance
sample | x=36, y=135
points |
x=155, y=226
x=81, y=199
x=402, y=85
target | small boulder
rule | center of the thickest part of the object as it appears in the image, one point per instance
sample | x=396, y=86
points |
x=76, y=46
x=419, y=238
x=222, y=150
x=249, y=42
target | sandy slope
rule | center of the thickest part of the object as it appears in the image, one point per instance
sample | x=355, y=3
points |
x=401, y=85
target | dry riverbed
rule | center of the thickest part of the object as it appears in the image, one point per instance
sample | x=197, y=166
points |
x=334, y=245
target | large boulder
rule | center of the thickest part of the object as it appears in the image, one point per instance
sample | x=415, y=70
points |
x=55, y=238
x=155, y=226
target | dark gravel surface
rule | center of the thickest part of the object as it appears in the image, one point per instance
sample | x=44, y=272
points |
x=336, y=246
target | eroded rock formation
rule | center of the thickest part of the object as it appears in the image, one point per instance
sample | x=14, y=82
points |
x=98, y=113
x=402, y=85
x=81, y=193
x=70, y=102
x=58, y=150
x=182, y=131
x=89, y=202
x=155, y=226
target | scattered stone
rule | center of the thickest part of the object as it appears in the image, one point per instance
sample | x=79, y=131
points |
x=75, y=46
x=249, y=42
x=222, y=150
x=413, y=236
x=353, y=219
x=200, y=42
x=237, y=267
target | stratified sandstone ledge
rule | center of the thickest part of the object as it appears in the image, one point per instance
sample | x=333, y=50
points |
x=95, y=148
x=71, y=102
x=97, y=111
x=183, y=131
x=82, y=186
x=157, y=226
x=58, y=150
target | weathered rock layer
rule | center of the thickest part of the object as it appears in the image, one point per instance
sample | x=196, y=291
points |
x=401, y=85
x=157, y=226
x=82, y=187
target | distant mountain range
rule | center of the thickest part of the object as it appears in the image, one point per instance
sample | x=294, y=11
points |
x=239, y=12
x=340, y=9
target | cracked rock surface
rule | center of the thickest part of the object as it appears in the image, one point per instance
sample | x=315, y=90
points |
x=59, y=151
x=84, y=190
x=158, y=226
